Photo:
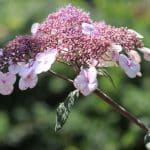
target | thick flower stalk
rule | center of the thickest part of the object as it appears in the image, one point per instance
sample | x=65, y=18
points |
x=71, y=37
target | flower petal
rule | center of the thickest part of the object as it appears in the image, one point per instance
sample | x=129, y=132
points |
x=34, y=28
x=6, y=89
x=86, y=81
x=146, y=52
x=130, y=67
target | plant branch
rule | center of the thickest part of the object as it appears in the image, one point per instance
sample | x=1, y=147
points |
x=111, y=102
x=60, y=76
x=121, y=109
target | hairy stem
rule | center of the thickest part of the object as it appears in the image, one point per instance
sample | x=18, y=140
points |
x=111, y=102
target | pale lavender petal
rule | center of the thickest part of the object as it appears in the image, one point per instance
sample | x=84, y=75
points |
x=26, y=69
x=14, y=68
x=45, y=60
x=134, y=55
x=6, y=89
x=22, y=84
x=10, y=78
x=86, y=81
x=92, y=74
x=133, y=70
x=146, y=52
x=124, y=61
x=34, y=28
x=33, y=82
x=92, y=86
x=29, y=81
x=87, y=28
x=129, y=66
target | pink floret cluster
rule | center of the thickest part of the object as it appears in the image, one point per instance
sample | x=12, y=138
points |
x=69, y=35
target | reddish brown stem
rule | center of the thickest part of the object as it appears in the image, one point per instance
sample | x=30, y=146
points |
x=121, y=109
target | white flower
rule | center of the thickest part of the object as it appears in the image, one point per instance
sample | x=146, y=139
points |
x=88, y=29
x=6, y=83
x=86, y=81
x=34, y=28
x=44, y=60
x=130, y=67
x=146, y=52
x=138, y=35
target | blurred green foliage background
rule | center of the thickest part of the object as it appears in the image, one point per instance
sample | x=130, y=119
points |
x=27, y=118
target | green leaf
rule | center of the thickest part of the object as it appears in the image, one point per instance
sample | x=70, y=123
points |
x=64, y=108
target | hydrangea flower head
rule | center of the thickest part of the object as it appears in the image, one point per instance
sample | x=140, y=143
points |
x=70, y=36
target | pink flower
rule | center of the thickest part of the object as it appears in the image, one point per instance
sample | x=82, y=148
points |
x=146, y=52
x=86, y=81
x=130, y=67
x=29, y=81
x=34, y=28
x=45, y=60
x=6, y=83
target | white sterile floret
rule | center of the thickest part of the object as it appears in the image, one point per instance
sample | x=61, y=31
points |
x=134, y=55
x=86, y=81
x=44, y=60
x=29, y=81
x=7, y=81
x=28, y=76
x=87, y=28
x=146, y=52
x=15, y=68
x=130, y=67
